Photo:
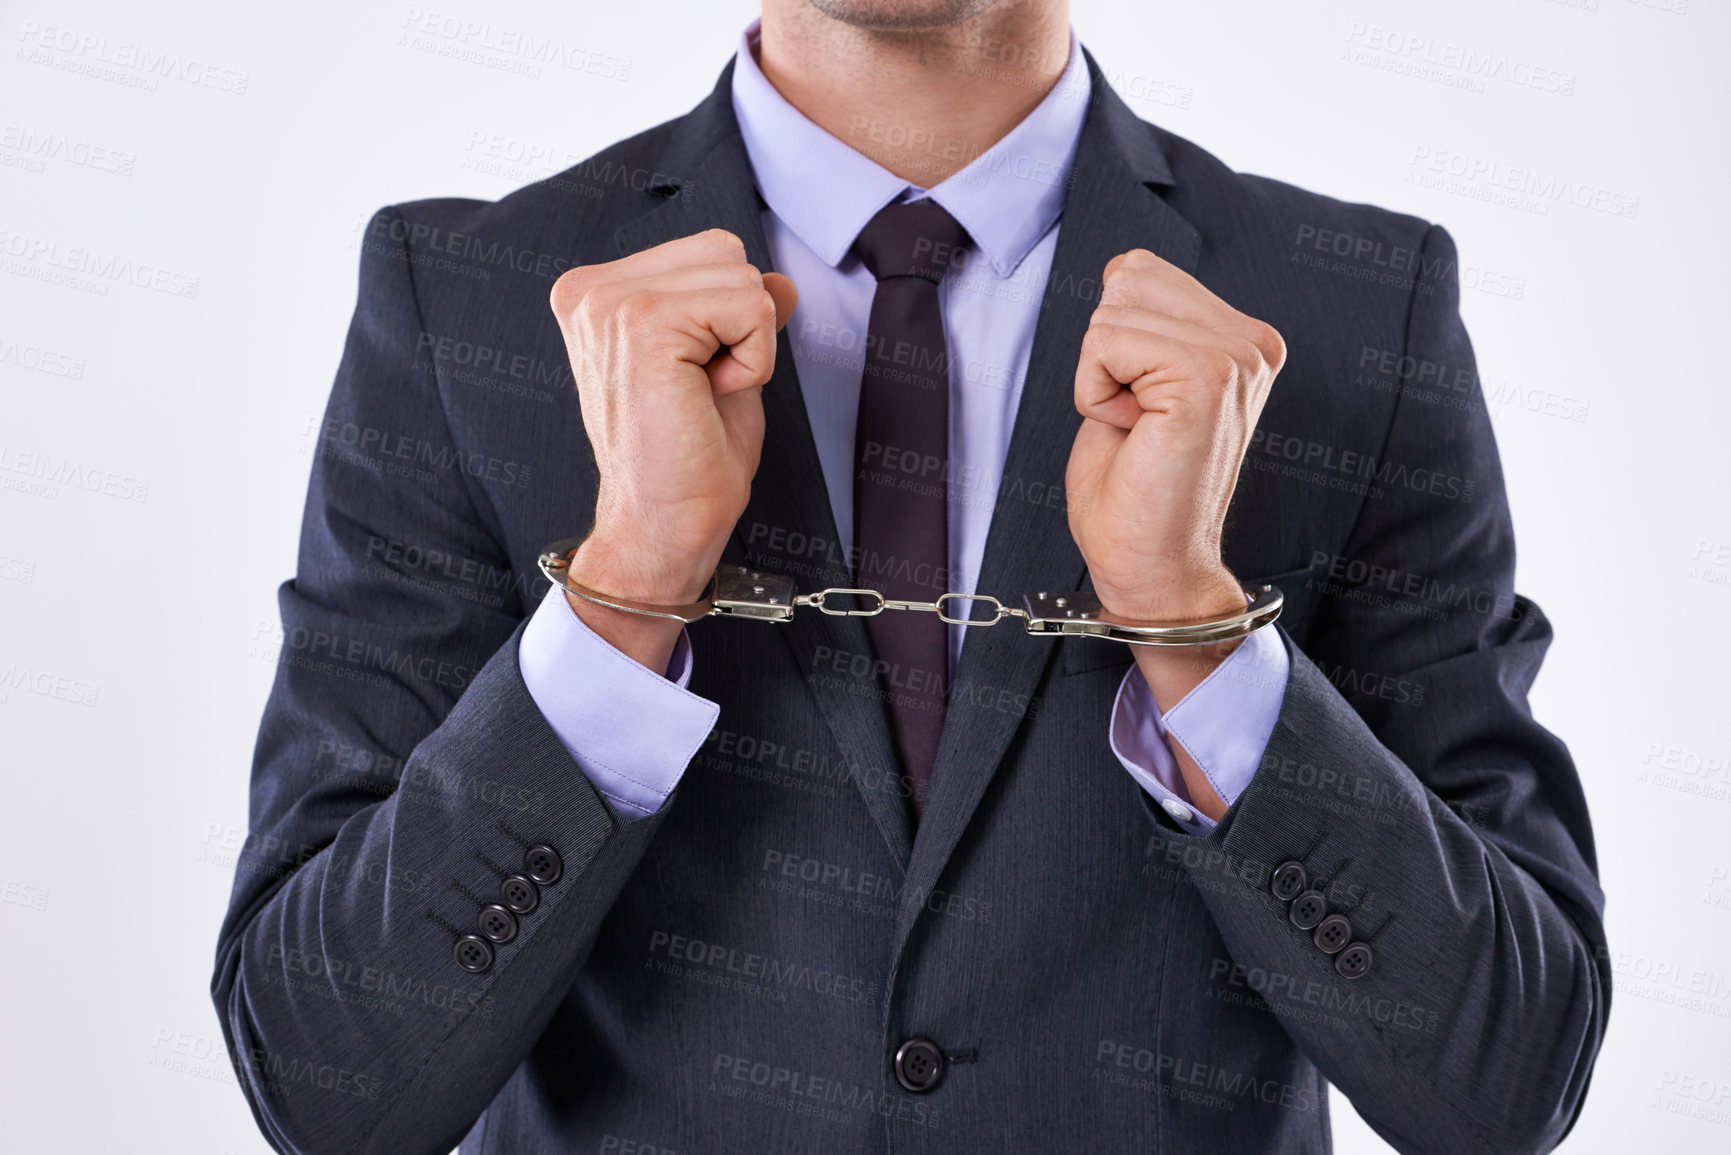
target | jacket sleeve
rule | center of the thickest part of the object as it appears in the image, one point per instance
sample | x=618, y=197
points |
x=1422, y=803
x=402, y=774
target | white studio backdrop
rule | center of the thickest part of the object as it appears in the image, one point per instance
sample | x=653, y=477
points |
x=228, y=155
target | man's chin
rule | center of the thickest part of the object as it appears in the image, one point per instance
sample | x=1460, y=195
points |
x=902, y=15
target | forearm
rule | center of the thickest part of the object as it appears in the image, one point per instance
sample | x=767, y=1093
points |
x=350, y=965
x=1475, y=1024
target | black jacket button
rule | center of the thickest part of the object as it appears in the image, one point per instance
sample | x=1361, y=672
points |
x=1307, y=909
x=919, y=1065
x=519, y=894
x=498, y=924
x=1353, y=961
x=543, y=864
x=474, y=953
x=1333, y=933
x=1289, y=881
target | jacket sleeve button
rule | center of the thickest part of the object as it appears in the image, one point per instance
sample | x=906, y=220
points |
x=1354, y=961
x=1307, y=909
x=519, y=894
x=474, y=953
x=543, y=865
x=1333, y=933
x=1289, y=881
x=498, y=924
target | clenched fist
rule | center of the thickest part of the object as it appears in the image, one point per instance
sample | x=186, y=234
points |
x=670, y=349
x=1170, y=384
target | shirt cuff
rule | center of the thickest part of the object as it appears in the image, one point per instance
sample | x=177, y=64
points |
x=1224, y=724
x=630, y=730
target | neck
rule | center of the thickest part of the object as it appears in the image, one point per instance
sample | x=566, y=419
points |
x=922, y=103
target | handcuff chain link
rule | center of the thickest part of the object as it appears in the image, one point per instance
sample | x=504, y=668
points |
x=1000, y=610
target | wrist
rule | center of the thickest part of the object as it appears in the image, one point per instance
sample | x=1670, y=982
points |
x=649, y=641
x=626, y=571
x=1210, y=595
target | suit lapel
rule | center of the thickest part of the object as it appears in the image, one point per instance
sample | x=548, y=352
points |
x=1111, y=207
x=788, y=526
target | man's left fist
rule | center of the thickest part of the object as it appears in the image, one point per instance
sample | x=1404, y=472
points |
x=1171, y=382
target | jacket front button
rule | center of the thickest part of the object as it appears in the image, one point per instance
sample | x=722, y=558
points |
x=919, y=1065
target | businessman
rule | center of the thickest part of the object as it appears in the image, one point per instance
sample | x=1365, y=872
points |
x=910, y=303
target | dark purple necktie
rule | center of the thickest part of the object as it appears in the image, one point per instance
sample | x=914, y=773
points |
x=901, y=469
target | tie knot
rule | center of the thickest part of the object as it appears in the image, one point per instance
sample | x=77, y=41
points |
x=911, y=240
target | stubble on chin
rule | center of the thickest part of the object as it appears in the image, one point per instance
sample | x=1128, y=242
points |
x=902, y=15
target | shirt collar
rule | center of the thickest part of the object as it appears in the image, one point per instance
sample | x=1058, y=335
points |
x=826, y=191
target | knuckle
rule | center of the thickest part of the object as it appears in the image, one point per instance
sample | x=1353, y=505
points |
x=634, y=307
x=1262, y=336
x=569, y=289
x=726, y=243
x=1272, y=344
x=1251, y=359
x=1218, y=365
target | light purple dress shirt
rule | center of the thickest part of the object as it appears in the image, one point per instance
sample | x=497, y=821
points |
x=820, y=193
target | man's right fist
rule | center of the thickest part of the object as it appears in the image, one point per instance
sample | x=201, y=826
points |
x=670, y=349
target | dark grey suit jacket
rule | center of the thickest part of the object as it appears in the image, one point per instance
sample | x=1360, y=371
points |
x=736, y=973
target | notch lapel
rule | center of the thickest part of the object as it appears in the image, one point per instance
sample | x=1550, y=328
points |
x=1111, y=207
x=707, y=162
